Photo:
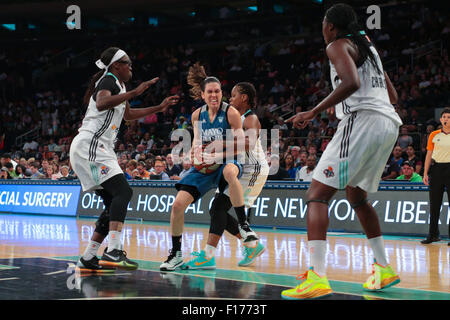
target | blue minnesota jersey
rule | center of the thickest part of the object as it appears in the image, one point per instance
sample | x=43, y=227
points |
x=217, y=130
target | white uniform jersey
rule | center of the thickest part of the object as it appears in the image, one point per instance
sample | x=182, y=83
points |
x=360, y=148
x=103, y=125
x=92, y=150
x=372, y=94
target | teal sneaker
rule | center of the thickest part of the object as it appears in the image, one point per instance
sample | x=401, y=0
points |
x=200, y=263
x=251, y=253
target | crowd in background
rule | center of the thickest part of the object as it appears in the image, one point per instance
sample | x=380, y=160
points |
x=289, y=75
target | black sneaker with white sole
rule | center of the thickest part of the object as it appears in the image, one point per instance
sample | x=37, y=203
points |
x=247, y=233
x=117, y=259
x=174, y=260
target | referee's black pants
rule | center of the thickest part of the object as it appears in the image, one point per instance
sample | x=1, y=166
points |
x=439, y=179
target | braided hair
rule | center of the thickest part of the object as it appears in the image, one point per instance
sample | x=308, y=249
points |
x=344, y=18
x=248, y=89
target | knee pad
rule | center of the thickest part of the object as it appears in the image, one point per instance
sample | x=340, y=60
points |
x=221, y=203
x=359, y=204
x=218, y=212
x=121, y=196
x=102, y=223
x=218, y=223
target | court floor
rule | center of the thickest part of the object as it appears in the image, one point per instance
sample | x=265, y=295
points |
x=38, y=253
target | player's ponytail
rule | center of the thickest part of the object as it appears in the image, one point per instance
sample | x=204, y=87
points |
x=344, y=18
x=198, y=79
x=106, y=58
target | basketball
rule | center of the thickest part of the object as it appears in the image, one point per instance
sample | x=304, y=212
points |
x=200, y=165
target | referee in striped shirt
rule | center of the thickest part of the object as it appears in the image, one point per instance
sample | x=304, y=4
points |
x=437, y=173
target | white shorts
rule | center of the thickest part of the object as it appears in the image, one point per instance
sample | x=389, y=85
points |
x=358, y=152
x=252, y=181
x=92, y=173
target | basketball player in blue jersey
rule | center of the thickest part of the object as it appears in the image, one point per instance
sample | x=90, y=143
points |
x=94, y=161
x=210, y=124
x=255, y=172
x=355, y=158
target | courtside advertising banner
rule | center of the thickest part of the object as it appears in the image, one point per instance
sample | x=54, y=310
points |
x=40, y=199
x=400, y=211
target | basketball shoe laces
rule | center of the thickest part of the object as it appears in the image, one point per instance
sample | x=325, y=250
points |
x=172, y=254
x=303, y=276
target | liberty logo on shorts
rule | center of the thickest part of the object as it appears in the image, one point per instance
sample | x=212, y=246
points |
x=328, y=172
x=105, y=170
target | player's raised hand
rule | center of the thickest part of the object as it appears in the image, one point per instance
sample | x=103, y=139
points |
x=169, y=101
x=144, y=86
x=301, y=119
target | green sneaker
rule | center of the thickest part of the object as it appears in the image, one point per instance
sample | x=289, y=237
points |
x=251, y=253
x=381, y=278
x=312, y=287
x=200, y=263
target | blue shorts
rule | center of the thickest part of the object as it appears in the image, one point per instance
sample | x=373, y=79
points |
x=197, y=183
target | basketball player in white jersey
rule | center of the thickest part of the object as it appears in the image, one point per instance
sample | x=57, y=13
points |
x=94, y=161
x=254, y=175
x=355, y=158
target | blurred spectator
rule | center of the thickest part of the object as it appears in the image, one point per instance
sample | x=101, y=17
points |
x=295, y=152
x=303, y=158
x=186, y=167
x=411, y=157
x=158, y=173
x=48, y=172
x=276, y=172
x=30, y=145
x=130, y=168
x=140, y=148
x=11, y=171
x=143, y=173
x=289, y=166
x=4, y=173
x=404, y=140
x=305, y=173
x=56, y=174
x=5, y=158
x=65, y=174
x=172, y=170
x=397, y=155
x=391, y=170
x=20, y=172
x=408, y=173
x=44, y=166
x=35, y=174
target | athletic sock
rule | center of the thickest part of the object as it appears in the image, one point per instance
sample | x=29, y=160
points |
x=91, y=250
x=317, y=253
x=210, y=251
x=379, y=253
x=176, y=243
x=114, y=240
x=240, y=214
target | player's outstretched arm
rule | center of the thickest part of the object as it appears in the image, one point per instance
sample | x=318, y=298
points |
x=105, y=100
x=134, y=114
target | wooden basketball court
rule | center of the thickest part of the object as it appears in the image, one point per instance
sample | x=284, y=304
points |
x=38, y=253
